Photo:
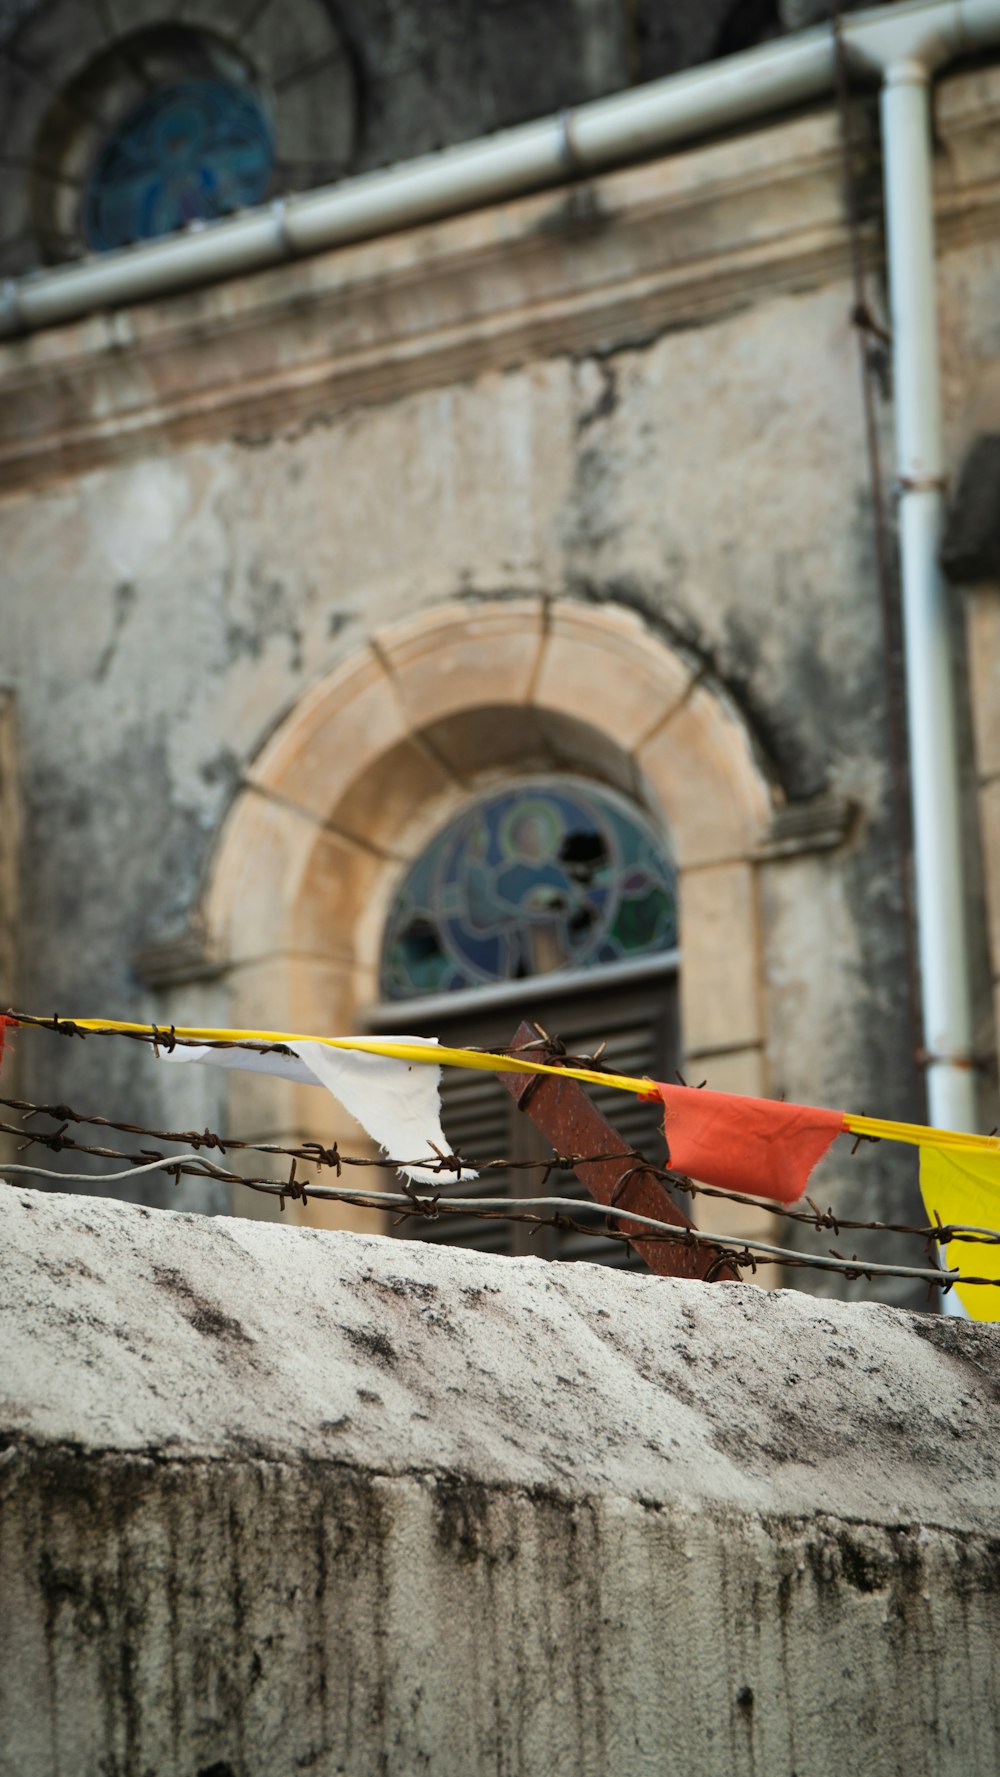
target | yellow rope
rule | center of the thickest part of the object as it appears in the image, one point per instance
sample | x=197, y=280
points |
x=423, y=1052
x=920, y=1135
x=917, y=1134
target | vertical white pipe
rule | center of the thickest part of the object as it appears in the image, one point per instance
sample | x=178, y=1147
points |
x=941, y=903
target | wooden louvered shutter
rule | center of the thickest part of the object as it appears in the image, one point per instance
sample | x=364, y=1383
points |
x=482, y=1122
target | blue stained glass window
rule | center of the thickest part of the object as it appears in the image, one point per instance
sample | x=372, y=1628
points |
x=547, y=875
x=191, y=150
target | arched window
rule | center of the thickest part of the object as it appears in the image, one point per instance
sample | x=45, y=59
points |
x=138, y=121
x=192, y=149
x=552, y=899
x=533, y=878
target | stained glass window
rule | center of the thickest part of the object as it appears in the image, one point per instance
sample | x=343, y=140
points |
x=190, y=150
x=543, y=876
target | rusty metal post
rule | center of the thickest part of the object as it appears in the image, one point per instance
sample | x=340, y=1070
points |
x=572, y=1124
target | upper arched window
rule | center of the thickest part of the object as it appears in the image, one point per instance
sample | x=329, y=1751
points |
x=189, y=151
x=539, y=876
x=169, y=126
x=150, y=116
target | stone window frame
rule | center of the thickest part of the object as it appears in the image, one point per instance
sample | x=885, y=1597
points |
x=385, y=747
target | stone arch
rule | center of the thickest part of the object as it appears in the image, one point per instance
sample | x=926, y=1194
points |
x=345, y=792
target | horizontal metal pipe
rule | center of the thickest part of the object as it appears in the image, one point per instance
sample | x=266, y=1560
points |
x=601, y=133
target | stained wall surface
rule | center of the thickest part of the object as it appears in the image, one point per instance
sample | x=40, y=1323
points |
x=637, y=396
x=280, y=1499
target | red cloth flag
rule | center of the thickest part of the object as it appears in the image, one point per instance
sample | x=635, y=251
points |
x=758, y=1145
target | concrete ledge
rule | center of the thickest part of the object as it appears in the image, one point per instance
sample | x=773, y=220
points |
x=274, y=1499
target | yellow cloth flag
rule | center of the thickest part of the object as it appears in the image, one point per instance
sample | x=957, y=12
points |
x=964, y=1188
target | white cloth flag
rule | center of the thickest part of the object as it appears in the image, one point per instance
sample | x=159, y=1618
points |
x=397, y=1103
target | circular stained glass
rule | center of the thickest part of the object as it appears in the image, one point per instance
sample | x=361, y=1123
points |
x=540, y=877
x=190, y=151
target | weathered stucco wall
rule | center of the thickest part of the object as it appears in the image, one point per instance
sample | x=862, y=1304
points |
x=280, y=1499
x=641, y=392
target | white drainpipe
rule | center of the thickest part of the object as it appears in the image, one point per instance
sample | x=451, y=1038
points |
x=904, y=45
x=934, y=770
x=908, y=64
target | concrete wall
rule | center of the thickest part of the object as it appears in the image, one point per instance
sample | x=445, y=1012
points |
x=280, y=1499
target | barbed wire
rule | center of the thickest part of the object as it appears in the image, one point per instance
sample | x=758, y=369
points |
x=742, y=1252
x=316, y=1154
x=155, y=1036
x=167, y=1037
